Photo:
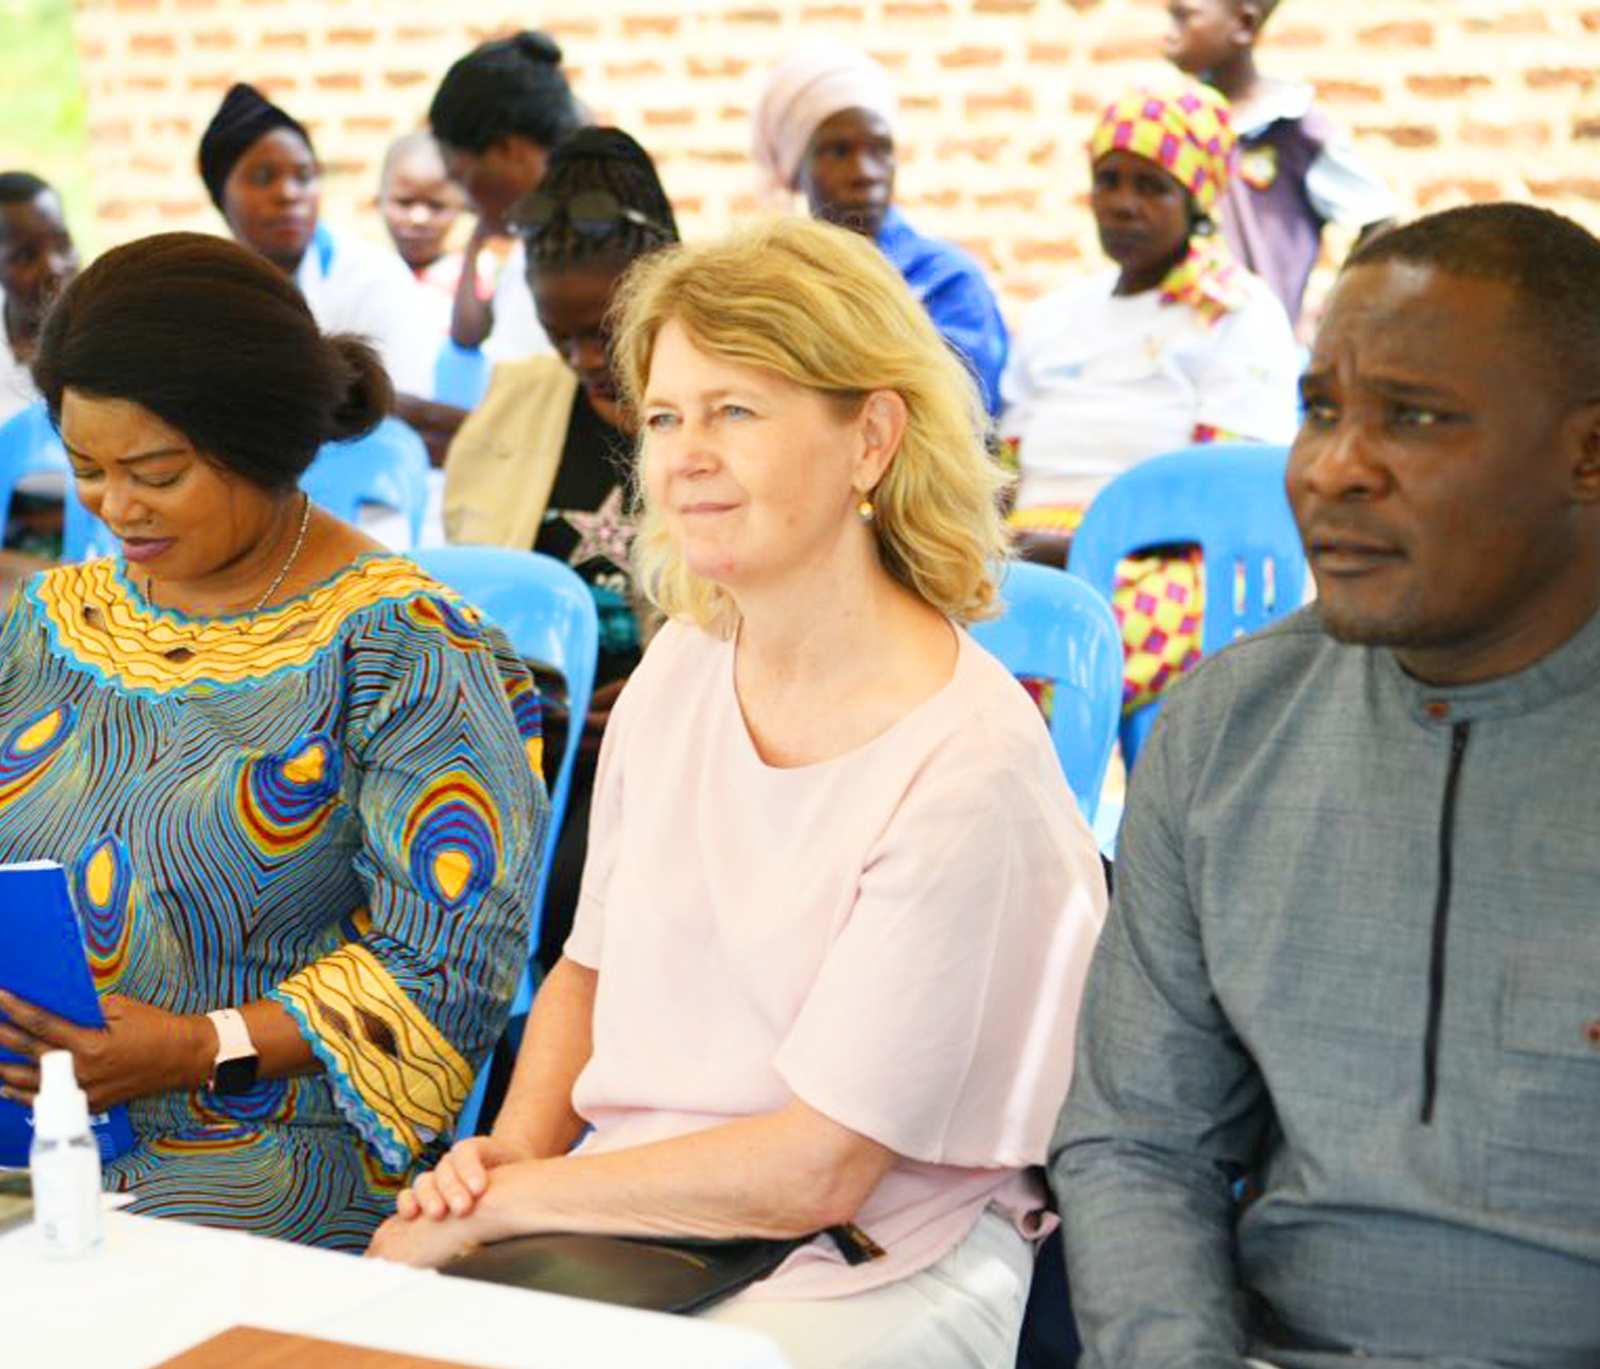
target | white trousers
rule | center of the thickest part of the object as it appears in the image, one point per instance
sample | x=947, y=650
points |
x=963, y=1312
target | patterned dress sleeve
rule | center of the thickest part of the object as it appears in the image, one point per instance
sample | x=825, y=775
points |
x=443, y=734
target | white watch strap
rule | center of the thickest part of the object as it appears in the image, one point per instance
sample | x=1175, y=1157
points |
x=233, y=1036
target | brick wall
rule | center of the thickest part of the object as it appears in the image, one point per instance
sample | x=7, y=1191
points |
x=1451, y=99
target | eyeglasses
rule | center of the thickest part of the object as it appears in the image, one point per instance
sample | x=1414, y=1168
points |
x=593, y=213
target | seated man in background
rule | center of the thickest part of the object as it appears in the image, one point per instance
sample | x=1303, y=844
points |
x=37, y=258
x=825, y=126
x=1352, y=952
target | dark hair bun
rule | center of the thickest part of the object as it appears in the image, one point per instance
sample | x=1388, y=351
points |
x=537, y=47
x=369, y=393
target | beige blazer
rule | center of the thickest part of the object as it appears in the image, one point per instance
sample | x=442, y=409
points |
x=502, y=464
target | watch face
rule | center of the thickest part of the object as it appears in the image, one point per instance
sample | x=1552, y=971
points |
x=236, y=1076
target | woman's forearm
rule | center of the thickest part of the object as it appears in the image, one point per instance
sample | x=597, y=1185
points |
x=537, y=1115
x=784, y=1173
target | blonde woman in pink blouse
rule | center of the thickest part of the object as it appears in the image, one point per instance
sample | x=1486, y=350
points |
x=839, y=902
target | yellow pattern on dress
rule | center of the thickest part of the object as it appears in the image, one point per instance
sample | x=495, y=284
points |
x=419, y=1084
x=103, y=625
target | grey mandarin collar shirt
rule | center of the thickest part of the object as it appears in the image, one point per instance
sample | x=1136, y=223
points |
x=1354, y=952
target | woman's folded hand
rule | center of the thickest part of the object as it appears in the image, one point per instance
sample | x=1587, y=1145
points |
x=461, y=1178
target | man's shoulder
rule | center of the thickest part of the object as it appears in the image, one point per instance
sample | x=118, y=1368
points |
x=1290, y=656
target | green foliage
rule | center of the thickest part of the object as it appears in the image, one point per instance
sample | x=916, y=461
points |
x=43, y=111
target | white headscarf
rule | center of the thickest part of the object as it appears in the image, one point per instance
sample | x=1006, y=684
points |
x=817, y=80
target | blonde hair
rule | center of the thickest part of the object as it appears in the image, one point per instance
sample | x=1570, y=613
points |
x=822, y=307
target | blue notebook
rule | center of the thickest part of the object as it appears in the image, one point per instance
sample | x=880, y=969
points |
x=42, y=960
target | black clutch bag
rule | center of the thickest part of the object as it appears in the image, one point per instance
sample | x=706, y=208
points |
x=659, y=1275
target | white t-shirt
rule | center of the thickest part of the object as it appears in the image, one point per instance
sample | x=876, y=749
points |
x=1098, y=382
x=516, y=334
x=353, y=286
x=898, y=935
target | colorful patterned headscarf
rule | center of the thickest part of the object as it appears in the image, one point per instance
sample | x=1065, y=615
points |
x=1184, y=129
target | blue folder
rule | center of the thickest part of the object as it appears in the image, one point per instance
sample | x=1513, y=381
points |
x=42, y=961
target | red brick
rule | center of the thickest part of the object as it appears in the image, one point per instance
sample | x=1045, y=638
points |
x=981, y=149
x=1401, y=135
x=1456, y=189
x=833, y=14
x=1003, y=6
x=1566, y=187
x=670, y=118
x=1010, y=199
x=1546, y=78
x=915, y=9
x=570, y=28
x=699, y=67
x=190, y=6
x=1303, y=37
x=1520, y=21
x=1528, y=133
x=641, y=25
x=1046, y=249
x=1050, y=54
x=939, y=199
x=734, y=114
x=1585, y=128
x=352, y=37
x=720, y=156
x=421, y=33
x=753, y=16
x=400, y=80
x=339, y=80
x=1127, y=49
x=143, y=6
x=1017, y=100
x=971, y=57
x=1590, y=20
x=153, y=45
x=630, y=71
x=1441, y=86
x=1409, y=34
x=286, y=40
x=214, y=40
x=1347, y=92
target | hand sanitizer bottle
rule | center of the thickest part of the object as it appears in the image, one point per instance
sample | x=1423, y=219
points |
x=64, y=1162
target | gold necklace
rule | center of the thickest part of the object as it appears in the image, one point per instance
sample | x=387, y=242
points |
x=294, y=554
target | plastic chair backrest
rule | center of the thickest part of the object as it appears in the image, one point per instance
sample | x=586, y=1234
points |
x=1229, y=498
x=1058, y=628
x=460, y=375
x=29, y=445
x=388, y=466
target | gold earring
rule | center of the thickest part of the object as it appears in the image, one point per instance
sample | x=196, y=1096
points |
x=865, y=509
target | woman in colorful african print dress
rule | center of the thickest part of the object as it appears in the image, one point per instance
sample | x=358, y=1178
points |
x=293, y=780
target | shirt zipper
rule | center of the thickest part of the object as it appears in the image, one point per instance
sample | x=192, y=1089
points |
x=1441, y=922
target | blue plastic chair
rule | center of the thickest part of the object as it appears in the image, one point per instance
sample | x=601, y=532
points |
x=548, y=613
x=1058, y=628
x=1229, y=498
x=460, y=375
x=29, y=445
x=388, y=466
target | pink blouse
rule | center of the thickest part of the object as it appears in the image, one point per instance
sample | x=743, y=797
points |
x=898, y=936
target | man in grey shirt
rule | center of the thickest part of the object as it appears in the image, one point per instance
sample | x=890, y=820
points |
x=1337, y=1096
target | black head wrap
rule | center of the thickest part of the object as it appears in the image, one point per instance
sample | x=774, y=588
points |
x=244, y=116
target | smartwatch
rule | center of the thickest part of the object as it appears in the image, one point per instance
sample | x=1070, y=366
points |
x=234, y=1069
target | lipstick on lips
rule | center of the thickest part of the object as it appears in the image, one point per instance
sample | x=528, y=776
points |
x=145, y=548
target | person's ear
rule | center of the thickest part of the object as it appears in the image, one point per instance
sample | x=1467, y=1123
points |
x=1247, y=21
x=880, y=424
x=1585, y=428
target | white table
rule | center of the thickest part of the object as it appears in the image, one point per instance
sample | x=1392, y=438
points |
x=159, y=1287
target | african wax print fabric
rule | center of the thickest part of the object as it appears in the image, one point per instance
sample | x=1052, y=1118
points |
x=333, y=804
